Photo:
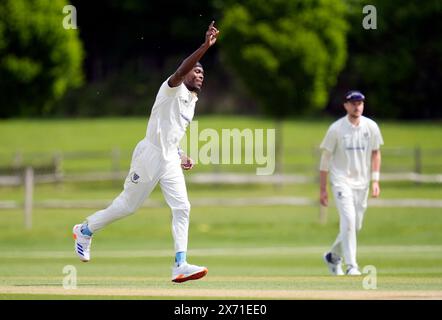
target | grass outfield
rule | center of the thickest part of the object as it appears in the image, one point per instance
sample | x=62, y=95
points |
x=106, y=191
x=90, y=134
x=298, y=140
x=253, y=253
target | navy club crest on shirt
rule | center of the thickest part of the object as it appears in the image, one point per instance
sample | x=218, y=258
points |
x=134, y=177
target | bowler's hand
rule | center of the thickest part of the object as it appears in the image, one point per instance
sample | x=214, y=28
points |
x=323, y=198
x=186, y=162
x=211, y=35
x=375, y=189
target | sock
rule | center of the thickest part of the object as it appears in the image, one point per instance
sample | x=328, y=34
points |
x=334, y=257
x=180, y=257
x=85, y=230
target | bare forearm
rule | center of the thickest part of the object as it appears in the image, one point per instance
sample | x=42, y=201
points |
x=188, y=63
x=323, y=195
x=323, y=180
x=375, y=172
x=376, y=161
x=324, y=166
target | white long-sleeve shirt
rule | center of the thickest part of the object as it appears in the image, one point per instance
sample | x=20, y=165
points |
x=172, y=112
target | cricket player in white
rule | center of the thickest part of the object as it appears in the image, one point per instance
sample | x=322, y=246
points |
x=158, y=159
x=351, y=153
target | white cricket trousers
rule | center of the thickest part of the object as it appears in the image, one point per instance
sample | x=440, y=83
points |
x=351, y=205
x=147, y=169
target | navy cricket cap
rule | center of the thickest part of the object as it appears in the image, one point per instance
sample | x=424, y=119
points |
x=354, y=96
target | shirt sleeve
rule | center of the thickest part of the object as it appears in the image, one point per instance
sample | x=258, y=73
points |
x=324, y=164
x=166, y=90
x=377, y=140
x=330, y=139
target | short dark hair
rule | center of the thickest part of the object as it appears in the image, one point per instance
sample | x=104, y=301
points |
x=198, y=64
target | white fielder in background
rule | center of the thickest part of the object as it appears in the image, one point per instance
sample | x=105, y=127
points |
x=351, y=155
x=158, y=159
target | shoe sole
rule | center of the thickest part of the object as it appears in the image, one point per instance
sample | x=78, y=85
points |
x=75, y=247
x=181, y=278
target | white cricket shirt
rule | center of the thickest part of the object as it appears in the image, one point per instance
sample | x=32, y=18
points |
x=172, y=112
x=351, y=147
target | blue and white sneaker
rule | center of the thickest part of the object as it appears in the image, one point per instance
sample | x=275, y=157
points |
x=82, y=243
x=334, y=264
x=186, y=272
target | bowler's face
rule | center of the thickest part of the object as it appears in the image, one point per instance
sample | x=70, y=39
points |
x=354, y=108
x=194, y=79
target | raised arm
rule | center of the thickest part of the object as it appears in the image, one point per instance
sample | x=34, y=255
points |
x=187, y=65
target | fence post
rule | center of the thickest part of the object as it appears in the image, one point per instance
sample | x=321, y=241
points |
x=323, y=212
x=29, y=195
x=418, y=159
x=58, y=166
x=418, y=162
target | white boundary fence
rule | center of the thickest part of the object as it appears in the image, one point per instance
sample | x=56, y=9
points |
x=207, y=178
x=53, y=173
x=29, y=180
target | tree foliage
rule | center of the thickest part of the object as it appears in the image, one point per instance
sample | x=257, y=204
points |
x=287, y=53
x=292, y=56
x=39, y=59
x=398, y=65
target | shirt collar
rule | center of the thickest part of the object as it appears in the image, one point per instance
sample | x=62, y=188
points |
x=192, y=95
x=347, y=120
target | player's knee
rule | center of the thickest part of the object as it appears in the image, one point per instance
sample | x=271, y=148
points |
x=125, y=207
x=129, y=211
x=183, y=208
x=347, y=223
x=186, y=207
x=131, y=208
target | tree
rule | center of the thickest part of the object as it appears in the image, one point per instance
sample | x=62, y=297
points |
x=287, y=53
x=39, y=59
x=398, y=65
x=132, y=47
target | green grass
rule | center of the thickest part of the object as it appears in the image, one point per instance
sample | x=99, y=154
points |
x=38, y=140
x=256, y=249
x=107, y=191
x=213, y=227
x=252, y=248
